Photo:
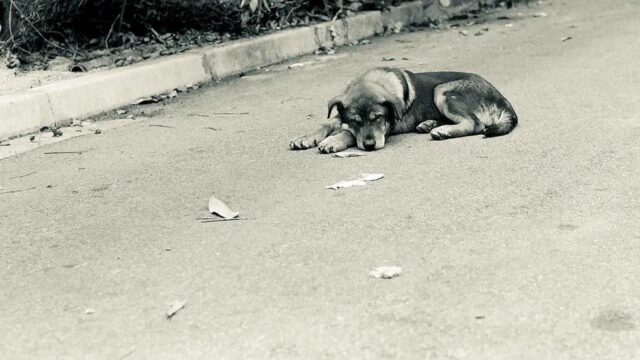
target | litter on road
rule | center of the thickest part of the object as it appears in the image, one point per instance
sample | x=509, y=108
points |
x=385, y=272
x=221, y=209
x=361, y=180
x=175, y=307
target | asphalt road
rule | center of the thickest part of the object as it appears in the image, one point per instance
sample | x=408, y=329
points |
x=523, y=246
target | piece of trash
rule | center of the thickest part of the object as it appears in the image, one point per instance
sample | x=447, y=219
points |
x=385, y=272
x=221, y=209
x=508, y=25
x=57, y=132
x=296, y=65
x=361, y=180
x=89, y=311
x=98, y=132
x=540, y=14
x=463, y=32
x=348, y=154
x=566, y=38
x=387, y=59
x=121, y=111
x=175, y=307
x=173, y=94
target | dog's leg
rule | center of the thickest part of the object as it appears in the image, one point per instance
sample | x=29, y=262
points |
x=313, y=139
x=337, y=142
x=458, y=109
x=426, y=126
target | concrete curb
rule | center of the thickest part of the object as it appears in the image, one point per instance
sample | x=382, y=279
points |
x=92, y=94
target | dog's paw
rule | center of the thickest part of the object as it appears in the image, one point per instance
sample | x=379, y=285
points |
x=425, y=127
x=303, y=143
x=331, y=145
x=440, y=133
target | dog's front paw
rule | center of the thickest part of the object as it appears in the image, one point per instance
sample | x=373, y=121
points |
x=425, y=127
x=440, y=133
x=332, y=144
x=303, y=143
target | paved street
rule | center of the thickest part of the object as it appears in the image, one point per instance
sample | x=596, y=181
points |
x=525, y=246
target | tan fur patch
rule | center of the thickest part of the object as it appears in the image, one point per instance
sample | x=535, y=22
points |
x=491, y=114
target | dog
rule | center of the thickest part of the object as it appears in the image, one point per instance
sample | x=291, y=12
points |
x=388, y=101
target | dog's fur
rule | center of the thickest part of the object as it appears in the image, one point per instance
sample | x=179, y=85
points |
x=388, y=101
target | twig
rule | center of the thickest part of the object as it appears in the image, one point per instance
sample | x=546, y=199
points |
x=211, y=128
x=106, y=40
x=230, y=113
x=200, y=115
x=15, y=191
x=162, y=126
x=63, y=152
x=21, y=176
x=124, y=5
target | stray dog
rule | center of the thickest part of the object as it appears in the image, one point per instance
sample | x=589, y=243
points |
x=389, y=101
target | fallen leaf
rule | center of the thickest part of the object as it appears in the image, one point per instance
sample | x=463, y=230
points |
x=385, y=272
x=175, y=307
x=348, y=154
x=371, y=177
x=345, y=184
x=360, y=180
x=146, y=100
x=221, y=209
x=566, y=38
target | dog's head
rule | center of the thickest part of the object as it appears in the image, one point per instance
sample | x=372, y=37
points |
x=371, y=105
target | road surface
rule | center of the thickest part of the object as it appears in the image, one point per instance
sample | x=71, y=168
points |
x=523, y=246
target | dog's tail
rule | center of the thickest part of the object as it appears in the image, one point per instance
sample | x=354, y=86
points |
x=505, y=122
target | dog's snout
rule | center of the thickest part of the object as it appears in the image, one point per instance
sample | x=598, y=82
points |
x=369, y=143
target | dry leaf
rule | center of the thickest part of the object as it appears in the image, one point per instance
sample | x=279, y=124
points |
x=385, y=272
x=175, y=307
x=566, y=38
x=221, y=209
x=361, y=180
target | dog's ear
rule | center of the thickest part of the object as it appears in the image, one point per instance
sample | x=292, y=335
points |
x=335, y=102
x=394, y=109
